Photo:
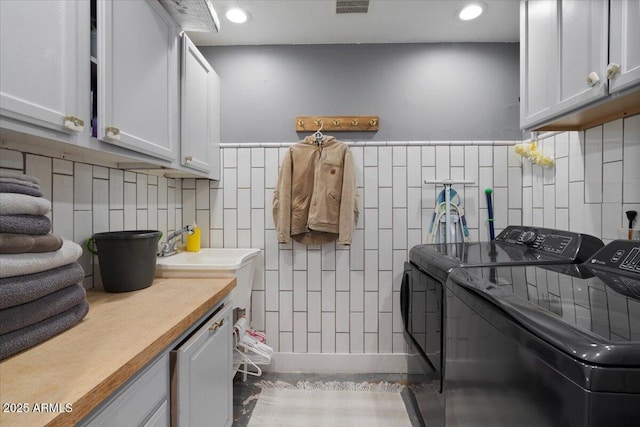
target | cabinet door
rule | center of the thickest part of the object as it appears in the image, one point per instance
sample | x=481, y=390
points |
x=583, y=51
x=215, y=123
x=624, y=44
x=538, y=60
x=41, y=43
x=137, y=77
x=201, y=375
x=200, y=110
x=563, y=57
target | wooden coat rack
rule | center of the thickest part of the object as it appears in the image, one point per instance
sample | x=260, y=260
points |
x=338, y=123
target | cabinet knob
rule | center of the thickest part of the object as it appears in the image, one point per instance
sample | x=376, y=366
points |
x=593, y=78
x=188, y=160
x=217, y=325
x=73, y=123
x=113, y=133
x=612, y=70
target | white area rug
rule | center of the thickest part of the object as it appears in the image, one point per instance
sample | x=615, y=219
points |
x=332, y=404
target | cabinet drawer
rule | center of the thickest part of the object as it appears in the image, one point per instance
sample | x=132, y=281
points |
x=140, y=401
x=161, y=417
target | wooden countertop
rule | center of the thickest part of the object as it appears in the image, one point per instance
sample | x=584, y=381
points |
x=120, y=334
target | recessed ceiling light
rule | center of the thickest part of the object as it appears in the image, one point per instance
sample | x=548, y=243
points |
x=471, y=11
x=237, y=15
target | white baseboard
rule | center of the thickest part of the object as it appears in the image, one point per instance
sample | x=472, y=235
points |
x=395, y=363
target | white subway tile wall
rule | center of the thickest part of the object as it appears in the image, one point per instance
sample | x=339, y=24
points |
x=595, y=180
x=345, y=299
x=340, y=299
x=88, y=199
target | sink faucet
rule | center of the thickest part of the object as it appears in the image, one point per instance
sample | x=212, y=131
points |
x=169, y=247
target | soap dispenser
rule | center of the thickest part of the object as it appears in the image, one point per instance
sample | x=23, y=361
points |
x=193, y=240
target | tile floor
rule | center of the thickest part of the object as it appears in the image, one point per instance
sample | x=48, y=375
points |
x=245, y=394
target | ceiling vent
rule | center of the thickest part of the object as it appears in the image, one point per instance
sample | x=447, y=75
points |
x=193, y=15
x=352, y=6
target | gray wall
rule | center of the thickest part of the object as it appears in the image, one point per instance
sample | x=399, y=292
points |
x=431, y=92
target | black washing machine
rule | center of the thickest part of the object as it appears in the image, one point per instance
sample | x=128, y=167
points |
x=545, y=346
x=422, y=294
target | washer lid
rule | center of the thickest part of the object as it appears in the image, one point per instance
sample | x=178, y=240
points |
x=515, y=245
x=479, y=254
x=591, y=316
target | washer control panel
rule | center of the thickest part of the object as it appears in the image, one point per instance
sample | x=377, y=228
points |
x=620, y=255
x=541, y=239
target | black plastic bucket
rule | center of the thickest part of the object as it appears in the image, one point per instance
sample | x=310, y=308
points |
x=127, y=258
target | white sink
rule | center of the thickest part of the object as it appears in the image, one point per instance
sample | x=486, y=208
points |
x=217, y=262
x=209, y=262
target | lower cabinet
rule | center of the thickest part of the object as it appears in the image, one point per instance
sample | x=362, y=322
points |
x=188, y=384
x=144, y=401
x=201, y=380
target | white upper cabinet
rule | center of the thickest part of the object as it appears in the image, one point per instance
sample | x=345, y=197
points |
x=200, y=112
x=42, y=45
x=624, y=54
x=577, y=61
x=563, y=57
x=138, y=79
x=119, y=103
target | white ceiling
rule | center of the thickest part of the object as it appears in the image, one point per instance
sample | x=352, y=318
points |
x=387, y=21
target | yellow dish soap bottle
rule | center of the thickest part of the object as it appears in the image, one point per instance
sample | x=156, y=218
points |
x=193, y=240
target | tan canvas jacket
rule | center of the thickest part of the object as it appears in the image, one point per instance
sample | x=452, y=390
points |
x=316, y=199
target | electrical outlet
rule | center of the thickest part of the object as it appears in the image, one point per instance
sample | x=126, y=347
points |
x=623, y=233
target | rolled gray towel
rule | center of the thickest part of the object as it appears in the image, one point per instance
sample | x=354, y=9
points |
x=21, y=264
x=26, y=243
x=25, y=224
x=20, y=176
x=16, y=203
x=23, y=315
x=19, y=181
x=23, y=289
x=19, y=188
x=22, y=339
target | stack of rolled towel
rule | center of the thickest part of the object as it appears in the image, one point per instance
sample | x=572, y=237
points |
x=41, y=292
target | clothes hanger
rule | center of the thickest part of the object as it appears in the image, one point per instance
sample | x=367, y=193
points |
x=318, y=135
